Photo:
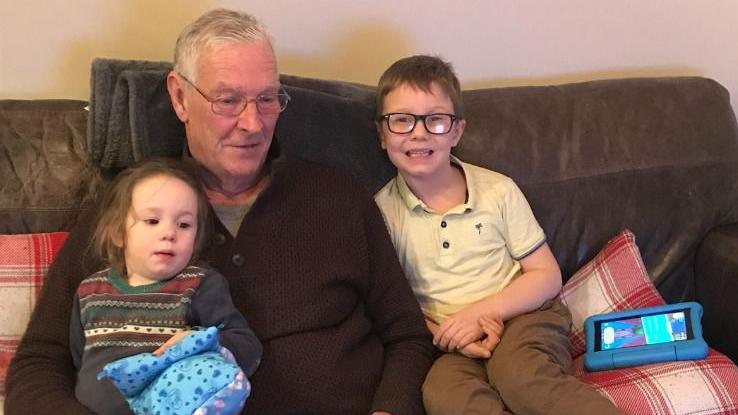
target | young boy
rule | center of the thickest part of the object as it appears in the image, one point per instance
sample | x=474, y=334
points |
x=476, y=259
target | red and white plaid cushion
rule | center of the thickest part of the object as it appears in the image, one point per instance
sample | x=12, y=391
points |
x=24, y=260
x=699, y=387
x=616, y=280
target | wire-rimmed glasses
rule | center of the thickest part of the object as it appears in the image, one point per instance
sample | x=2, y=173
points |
x=233, y=105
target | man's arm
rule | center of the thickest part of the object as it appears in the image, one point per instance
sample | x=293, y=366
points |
x=41, y=377
x=212, y=305
x=539, y=281
x=399, y=323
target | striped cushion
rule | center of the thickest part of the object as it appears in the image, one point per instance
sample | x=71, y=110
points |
x=24, y=261
x=616, y=280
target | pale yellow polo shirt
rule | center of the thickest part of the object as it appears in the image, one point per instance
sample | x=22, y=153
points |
x=468, y=253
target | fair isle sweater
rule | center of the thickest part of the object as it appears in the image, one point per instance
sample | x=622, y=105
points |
x=111, y=320
x=314, y=272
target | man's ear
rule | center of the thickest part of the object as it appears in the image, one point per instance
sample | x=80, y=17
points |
x=458, y=131
x=176, y=94
x=380, y=134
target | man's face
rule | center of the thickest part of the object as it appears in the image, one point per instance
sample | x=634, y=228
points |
x=233, y=148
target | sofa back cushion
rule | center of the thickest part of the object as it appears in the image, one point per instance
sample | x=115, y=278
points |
x=47, y=180
x=658, y=156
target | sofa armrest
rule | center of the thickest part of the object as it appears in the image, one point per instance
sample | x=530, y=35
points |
x=716, y=288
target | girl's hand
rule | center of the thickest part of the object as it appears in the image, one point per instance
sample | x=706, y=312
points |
x=172, y=341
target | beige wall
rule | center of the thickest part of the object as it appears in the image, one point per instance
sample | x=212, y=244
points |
x=46, y=46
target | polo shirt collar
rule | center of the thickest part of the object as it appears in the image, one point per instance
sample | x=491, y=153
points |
x=412, y=202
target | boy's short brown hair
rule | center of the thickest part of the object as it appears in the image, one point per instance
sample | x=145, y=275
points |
x=420, y=71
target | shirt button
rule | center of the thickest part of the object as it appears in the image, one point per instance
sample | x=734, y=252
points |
x=237, y=260
x=446, y=244
x=443, y=224
x=219, y=239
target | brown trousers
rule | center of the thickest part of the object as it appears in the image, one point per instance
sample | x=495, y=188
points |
x=529, y=373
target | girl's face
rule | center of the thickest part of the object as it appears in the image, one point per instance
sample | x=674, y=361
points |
x=160, y=229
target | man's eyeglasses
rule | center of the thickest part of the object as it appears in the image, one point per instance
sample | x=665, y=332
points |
x=233, y=105
x=403, y=123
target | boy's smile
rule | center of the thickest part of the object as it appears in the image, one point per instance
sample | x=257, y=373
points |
x=420, y=155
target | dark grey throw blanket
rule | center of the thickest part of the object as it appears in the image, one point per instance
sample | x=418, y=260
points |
x=131, y=116
x=331, y=122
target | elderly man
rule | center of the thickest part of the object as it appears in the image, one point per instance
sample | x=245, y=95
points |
x=342, y=332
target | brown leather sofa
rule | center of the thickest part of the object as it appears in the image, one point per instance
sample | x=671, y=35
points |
x=658, y=156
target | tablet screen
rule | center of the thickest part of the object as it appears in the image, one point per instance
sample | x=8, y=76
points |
x=643, y=330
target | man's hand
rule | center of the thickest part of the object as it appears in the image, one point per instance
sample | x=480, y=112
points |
x=172, y=340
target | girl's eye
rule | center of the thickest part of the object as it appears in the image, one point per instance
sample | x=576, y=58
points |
x=151, y=221
x=185, y=225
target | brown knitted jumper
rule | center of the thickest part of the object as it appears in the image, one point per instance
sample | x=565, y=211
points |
x=313, y=271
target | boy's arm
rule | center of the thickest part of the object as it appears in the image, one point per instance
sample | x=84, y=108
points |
x=539, y=281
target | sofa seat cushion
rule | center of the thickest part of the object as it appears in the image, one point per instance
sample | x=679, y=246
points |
x=24, y=261
x=616, y=280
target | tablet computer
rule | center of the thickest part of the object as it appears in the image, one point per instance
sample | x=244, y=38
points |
x=647, y=335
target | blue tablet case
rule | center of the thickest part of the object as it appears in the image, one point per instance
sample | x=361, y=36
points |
x=690, y=349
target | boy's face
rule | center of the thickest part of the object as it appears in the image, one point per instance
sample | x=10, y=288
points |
x=419, y=154
x=160, y=229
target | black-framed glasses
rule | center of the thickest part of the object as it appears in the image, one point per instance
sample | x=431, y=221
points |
x=233, y=105
x=404, y=123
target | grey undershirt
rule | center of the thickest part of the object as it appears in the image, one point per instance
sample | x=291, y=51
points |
x=232, y=216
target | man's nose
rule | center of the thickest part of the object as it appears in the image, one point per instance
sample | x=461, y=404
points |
x=249, y=119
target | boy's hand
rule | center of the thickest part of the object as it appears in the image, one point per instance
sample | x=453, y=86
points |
x=432, y=326
x=493, y=328
x=475, y=350
x=172, y=340
x=482, y=349
x=461, y=328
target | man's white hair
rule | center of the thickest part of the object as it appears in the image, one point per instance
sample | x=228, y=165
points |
x=216, y=27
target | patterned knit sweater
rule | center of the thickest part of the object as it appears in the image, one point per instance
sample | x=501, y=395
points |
x=112, y=319
x=115, y=314
x=313, y=270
